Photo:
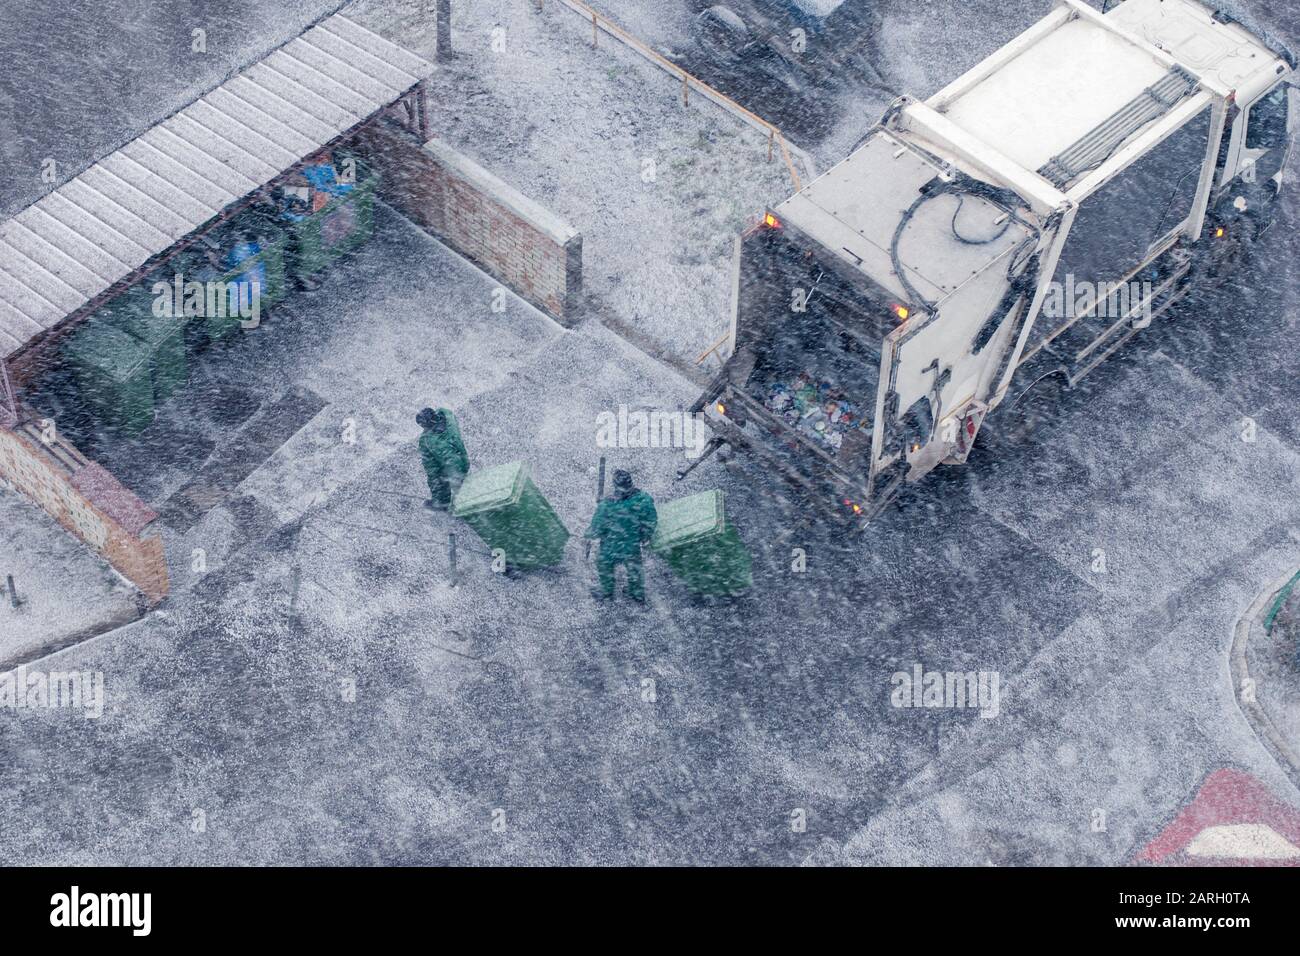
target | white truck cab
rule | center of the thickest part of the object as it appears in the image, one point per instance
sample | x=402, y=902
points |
x=1023, y=222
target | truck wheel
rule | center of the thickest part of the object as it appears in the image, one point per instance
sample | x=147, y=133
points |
x=1242, y=235
x=721, y=34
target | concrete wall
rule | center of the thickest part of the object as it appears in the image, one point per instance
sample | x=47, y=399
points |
x=88, y=502
x=505, y=233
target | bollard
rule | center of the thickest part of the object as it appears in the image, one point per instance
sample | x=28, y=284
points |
x=442, y=26
x=451, y=554
x=295, y=584
x=600, y=493
x=13, y=591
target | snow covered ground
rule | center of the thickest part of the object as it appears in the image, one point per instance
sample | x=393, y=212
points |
x=923, y=44
x=386, y=717
x=601, y=137
x=64, y=588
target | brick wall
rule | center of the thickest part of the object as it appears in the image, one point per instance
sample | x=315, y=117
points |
x=89, y=502
x=505, y=233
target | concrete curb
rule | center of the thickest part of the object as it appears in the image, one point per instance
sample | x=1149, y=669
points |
x=1249, y=627
x=112, y=624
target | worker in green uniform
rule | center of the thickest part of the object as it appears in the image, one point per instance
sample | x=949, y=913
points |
x=443, y=453
x=622, y=524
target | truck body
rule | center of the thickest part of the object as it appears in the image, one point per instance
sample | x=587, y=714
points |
x=1021, y=224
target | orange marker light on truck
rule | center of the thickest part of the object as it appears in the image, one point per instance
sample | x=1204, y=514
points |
x=722, y=409
x=771, y=221
x=900, y=310
x=1218, y=233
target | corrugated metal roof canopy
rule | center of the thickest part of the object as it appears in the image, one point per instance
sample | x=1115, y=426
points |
x=95, y=230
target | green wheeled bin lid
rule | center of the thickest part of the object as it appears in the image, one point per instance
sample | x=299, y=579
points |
x=99, y=347
x=490, y=489
x=688, y=519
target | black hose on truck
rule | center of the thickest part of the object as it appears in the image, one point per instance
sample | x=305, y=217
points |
x=961, y=186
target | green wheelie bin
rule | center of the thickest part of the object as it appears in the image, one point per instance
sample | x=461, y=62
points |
x=703, y=549
x=113, y=373
x=341, y=226
x=162, y=338
x=268, y=266
x=506, y=510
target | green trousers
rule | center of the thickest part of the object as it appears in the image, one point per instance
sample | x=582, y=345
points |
x=443, y=486
x=635, y=577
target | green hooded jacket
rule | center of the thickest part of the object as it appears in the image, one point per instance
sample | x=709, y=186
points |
x=622, y=525
x=444, y=453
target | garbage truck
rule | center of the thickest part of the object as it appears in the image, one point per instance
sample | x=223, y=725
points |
x=1016, y=228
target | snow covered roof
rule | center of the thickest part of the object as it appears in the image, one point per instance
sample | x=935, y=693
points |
x=1074, y=88
x=1204, y=43
x=1058, y=89
x=96, y=230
